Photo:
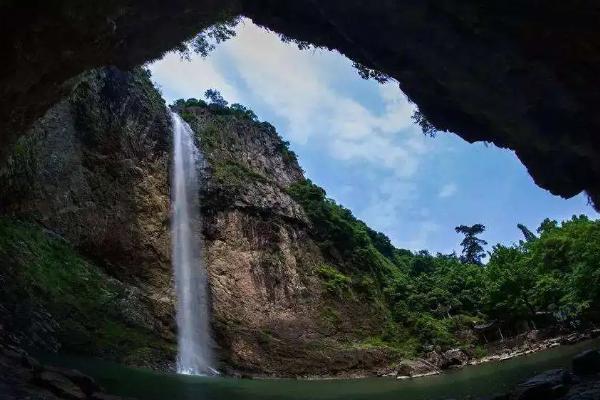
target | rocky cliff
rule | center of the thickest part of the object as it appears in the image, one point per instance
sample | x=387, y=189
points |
x=85, y=198
x=272, y=311
x=87, y=265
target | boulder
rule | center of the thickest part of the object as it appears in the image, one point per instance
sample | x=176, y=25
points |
x=85, y=382
x=545, y=386
x=60, y=385
x=587, y=362
x=104, y=396
x=584, y=391
x=434, y=358
x=414, y=368
x=454, y=357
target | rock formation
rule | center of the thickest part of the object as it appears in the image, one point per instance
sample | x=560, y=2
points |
x=92, y=176
x=523, y=77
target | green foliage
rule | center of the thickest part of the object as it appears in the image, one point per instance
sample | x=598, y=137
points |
x=235, y=175
x=427, y=127
x=206, y=41
x=471, y=244
x=527, y=234
x=369, y=73
x=215, y=98
x=216, y=104
x=288, y=155
x=334, y=281
x=243, y=112
x=435, y=299
x=43, y=272
x=557, y=273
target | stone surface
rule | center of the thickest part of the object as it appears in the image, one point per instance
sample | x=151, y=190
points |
x=412, y=368
x=267, y=300
x=61, y=385
x=585, y=391
x=587, y=362
x=454, y=357
x=94, y=173
x=546, y=386
x=533, y=88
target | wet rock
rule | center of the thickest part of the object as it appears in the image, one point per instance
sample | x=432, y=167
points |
x=574, y=338
x=587, y=362
x=60, y=385
x=104, y=396
x=584, y=391
x=545, y=386
x=496, y=396
x=435, y=358
x=30, y=363
x=85, y=382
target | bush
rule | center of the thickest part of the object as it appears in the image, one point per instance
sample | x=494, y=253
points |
x=334, y=281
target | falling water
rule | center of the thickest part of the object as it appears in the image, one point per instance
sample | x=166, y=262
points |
x=194, y=341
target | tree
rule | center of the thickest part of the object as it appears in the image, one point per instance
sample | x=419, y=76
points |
x=206, y=41
x=214, y=96
x=472, y=245
x=510, y=284
x=427, y=127
x=243, y=111
x=529, y=236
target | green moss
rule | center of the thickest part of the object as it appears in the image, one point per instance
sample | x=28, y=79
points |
x=42, y=271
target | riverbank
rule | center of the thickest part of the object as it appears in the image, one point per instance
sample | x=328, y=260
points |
x=435, y=363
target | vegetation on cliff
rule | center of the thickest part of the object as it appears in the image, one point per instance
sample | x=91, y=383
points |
x=423, y=301
x=550, y=280
x=54, y=298
x=283, y=258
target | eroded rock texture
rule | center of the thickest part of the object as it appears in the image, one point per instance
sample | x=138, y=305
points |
x=522, y=76
x=94, y=173
x=271, y=313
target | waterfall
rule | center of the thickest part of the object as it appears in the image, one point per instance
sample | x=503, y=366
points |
x=194, y=340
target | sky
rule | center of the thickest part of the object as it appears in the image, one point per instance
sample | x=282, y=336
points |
x=355, y=138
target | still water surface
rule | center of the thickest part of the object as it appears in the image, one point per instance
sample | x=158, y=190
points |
x=459, y=384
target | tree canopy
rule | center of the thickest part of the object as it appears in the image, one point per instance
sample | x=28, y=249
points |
x=435, y=299
x=472, y=246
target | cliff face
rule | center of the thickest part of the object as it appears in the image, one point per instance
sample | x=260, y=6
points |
x=94, y=172
x=272, y=314
x=94, y=275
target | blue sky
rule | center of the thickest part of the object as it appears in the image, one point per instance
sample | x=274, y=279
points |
x=355, y=138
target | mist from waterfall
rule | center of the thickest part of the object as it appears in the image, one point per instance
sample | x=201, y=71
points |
x=194, y=340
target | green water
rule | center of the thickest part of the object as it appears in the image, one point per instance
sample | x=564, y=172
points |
x=470, y=381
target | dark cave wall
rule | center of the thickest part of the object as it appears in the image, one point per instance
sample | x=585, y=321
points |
x=523, y=76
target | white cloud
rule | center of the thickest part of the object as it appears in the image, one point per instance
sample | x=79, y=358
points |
x=296, y=86
x=303, y=89
x=448, y=190
x=184, y=79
